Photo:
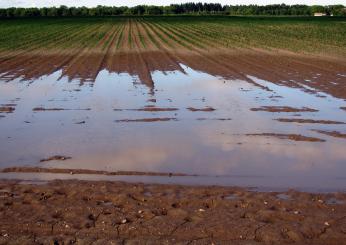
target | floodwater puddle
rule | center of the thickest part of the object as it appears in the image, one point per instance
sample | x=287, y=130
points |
x=231, y=197
x=283, y=196
x=228, y=132
x=334, y=201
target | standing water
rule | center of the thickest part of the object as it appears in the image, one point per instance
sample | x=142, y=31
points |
x=228, y=132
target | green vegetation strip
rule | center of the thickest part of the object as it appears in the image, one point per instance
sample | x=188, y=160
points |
x=297, y=34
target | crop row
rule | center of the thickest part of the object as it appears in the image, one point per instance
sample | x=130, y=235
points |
x=172, y=33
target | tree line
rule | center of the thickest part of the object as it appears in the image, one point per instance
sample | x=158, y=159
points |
x=176, y=9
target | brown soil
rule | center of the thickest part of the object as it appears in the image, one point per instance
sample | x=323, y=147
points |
x=283, y=109
x=294, y=137
x=154, y=109
x=6, y=109
x=298, y=120
x=206, y=109
x=287, y=70
x=157, y=119
x=55, y=158
x=48, y=109
x=150, y=109
x=82, y=212
x=217, y=119
x=331, y=133
x=58, y=109
x=82, y=171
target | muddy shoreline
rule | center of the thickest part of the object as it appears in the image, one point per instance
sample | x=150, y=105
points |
x=89, y=211
x=85, y=171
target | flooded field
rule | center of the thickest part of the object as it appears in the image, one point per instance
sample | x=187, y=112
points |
x=205, y=100
x=197, y=125
x=173, y=130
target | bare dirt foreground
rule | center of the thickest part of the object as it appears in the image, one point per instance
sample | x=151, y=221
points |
x=82, y=212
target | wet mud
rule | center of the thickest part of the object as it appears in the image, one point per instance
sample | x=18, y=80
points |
x=149, y=109
x=206, y=109
x=283, y=109
x=301, y=120
x=37, y=109
x=82, y=171
x=294, y=137
x=6, y=109
x=296, y=71
x=218, y=119
x=55, y=158
x=85, y=212
x=336, y=134
x=147, y=120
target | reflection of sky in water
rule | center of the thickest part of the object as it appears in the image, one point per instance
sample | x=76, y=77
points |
x=207, y=147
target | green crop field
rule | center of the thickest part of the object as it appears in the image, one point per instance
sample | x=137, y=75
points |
x=298, y=34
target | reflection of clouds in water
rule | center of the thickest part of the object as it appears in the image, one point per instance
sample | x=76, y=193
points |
x=141, y=159
x=268, y=152
x=45, y=86
x=203, y=152
x=8, y=90
x=130, y=152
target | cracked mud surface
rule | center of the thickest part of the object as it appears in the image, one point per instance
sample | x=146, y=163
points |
x=86, y=212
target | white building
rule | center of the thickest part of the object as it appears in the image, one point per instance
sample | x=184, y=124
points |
x=320, y=14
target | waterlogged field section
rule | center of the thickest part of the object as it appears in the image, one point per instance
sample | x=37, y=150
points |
x=222, y=46
x=213, y=100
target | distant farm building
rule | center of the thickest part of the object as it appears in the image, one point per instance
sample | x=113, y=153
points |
x=320, y=14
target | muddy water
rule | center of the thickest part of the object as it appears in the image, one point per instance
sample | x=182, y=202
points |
x=189, y=122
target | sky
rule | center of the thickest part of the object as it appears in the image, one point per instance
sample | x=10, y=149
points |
x=92, y=3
